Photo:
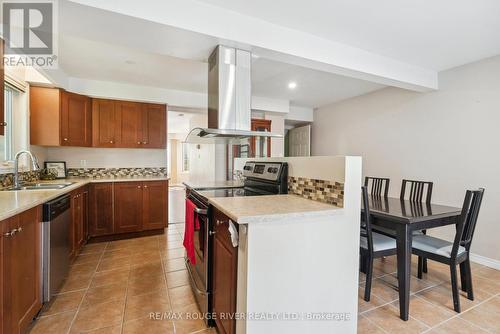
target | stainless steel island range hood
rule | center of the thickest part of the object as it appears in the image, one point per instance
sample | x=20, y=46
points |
x=229, y=99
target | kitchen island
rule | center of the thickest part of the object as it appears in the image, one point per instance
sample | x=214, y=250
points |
x=285, y=263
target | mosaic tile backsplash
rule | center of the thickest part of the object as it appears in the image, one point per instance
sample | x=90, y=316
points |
x=7, y=180
x=329, y=192
x=117, y=172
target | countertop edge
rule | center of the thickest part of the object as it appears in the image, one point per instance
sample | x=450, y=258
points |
x=51, y=194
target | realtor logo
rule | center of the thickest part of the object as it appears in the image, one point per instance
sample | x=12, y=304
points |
x=29, y=32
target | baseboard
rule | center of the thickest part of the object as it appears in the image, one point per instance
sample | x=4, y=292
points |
x=485, y=261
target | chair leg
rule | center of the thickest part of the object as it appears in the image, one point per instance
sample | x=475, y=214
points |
x=369, y=276
x=420, y=266
x=454, y=288
x=424, y=266
x=468, y=271
x=362, y=263
x=463, y=277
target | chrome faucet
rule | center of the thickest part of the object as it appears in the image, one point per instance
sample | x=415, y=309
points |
x=34, y=164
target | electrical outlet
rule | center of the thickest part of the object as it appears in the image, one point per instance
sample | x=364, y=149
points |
x=83, y=163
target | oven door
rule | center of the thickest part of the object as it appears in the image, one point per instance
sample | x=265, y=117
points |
x=199, y=272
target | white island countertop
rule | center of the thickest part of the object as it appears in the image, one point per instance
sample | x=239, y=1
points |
x=15, y=202
x=213, y=184
x=261, y=209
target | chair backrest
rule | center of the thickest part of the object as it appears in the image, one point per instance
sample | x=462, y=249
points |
x=378, y=185
x=468, y=219
x=366, y=226
x=416, y=190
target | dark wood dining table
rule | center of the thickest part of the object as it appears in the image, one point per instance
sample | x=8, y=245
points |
x=403, y=217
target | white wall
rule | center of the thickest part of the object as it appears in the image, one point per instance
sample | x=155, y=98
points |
x=450, y=137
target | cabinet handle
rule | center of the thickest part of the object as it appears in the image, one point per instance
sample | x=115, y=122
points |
x=219, y=222
x=3, y=123
x=138, y=186
x=65, y=139
x=144, y=142
x=19, y=229
x=8, y=234
x=111, y=142
x=145, y=186
x=211, y=232
x=138, y=143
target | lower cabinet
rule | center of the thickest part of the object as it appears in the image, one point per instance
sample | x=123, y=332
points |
x=126, y=207
x=20, y=270
x=100, y=209
x=79, y=214
x=225, y=268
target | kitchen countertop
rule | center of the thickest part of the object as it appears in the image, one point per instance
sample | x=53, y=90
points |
x=15, y=202
x=268, y=208
x=213, y=184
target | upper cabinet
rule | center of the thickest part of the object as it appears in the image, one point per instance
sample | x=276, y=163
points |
x=129, y=124
x=59, y=118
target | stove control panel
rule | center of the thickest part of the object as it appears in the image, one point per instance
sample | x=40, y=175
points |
x=263, y=170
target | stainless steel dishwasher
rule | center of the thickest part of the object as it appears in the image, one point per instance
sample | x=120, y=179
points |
x=55, y=264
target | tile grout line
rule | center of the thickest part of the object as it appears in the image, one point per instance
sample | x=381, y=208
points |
x=125, y=303
x=86, y=291
x=374, y=324
x=457, y=315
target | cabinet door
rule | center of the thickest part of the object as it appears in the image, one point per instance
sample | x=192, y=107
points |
x=76, y=119
x=5, y=277
x=128, y=207
x=82, y=239
x=129, y=123
x=154, y=125
x=73, y=228
x=101, y=209
x=79, y=220
x=104, y=118
x=224, y=277
x=25, y=269
x=155, y=205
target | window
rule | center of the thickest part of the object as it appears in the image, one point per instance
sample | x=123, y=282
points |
x=185, y=157
x=6, y=139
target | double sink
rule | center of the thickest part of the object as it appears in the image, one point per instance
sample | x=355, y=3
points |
x=40, y=186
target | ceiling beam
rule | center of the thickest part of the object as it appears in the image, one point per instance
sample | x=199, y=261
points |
x=276, y=42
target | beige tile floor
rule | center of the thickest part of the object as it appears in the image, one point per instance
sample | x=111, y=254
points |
x=431, y=303
x=113, y=287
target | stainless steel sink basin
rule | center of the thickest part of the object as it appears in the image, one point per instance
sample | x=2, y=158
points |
x=41, y=186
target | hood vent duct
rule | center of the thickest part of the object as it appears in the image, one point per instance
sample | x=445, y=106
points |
x=229, y=99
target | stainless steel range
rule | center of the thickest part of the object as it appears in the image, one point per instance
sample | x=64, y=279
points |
x=261, y=178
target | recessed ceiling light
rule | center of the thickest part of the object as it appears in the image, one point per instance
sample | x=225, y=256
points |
x=292, y=85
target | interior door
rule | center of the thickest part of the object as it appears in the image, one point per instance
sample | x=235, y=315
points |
x=76, y=118
x=104, y=118
x=154, y=125
x=130, y=123
x=299, y=141
x=128, y=207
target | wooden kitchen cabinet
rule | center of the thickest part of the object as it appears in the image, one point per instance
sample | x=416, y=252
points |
x=59, y=118
x=224, y=278
x=155, y=205
x=79, y=214
x=129, y=124
x=154, y=125
x=128, y=203
x=20, y=270
x=100, y=218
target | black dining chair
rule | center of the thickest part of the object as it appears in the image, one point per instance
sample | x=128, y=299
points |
x=378, y=186
x=456, y=252
x=372, y=244
x=416, y=190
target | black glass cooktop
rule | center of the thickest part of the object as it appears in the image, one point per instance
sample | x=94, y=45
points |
x=228, y=192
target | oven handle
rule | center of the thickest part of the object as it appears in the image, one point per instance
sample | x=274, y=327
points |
x=203, y=293
x=199, y=211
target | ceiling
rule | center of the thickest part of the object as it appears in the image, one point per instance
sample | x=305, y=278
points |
x=433, y=34
x=114, y=48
